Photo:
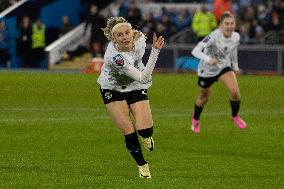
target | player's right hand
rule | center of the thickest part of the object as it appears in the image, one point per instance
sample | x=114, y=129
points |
x=158, y=42
x=213, y=61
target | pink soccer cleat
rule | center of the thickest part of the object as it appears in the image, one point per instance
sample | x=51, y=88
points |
x=195, y=127
x=239, y=122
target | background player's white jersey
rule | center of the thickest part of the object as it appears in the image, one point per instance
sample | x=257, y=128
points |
x=113, y=75
x=215, y=45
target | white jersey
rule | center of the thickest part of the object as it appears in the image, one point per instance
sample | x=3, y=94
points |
x=215, y=45
x=120, y=68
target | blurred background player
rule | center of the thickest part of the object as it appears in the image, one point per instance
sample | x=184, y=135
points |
x=66, y=25
x=218, y=61
x=24, y=42
x=96, y=22
x=124, y=81
x=4, y=50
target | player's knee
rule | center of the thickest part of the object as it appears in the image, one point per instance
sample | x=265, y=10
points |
x=235, y=95
x=204, y=94
x=125, y=127
x=146, y=123
x=204, y=98
x=201, y=101
x=146, y=133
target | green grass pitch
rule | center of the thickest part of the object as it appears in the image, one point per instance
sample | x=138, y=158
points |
x=55, y=133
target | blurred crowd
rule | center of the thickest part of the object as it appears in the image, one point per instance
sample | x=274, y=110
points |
x=166, y=24
x=255, y=18
x=30, y=41
x=6, y=3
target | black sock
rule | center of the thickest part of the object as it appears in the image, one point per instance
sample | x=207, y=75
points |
x=146, y=133
x=197, y=112
x=235, y=105
x=133, y=146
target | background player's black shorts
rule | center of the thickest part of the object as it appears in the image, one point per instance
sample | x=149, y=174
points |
x=130, y=97
x=205, y=82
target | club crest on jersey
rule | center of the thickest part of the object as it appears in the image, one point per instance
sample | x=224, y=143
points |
x=206, y=39
x=118, y=59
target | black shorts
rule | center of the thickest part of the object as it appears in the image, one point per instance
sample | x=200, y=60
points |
x=205, y=82
x=130, y=97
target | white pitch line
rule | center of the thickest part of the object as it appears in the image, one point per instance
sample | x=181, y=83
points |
x=53, y=119
x=50, y=109
x=155, y=110
x=157, y=115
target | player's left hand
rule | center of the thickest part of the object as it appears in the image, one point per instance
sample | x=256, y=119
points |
x=158, y=42
x=238, y=72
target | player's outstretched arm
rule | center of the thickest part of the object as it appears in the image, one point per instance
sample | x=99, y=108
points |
x=145, y=75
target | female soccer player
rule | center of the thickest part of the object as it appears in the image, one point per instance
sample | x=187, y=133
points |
x=218, y=61
x=124, y=81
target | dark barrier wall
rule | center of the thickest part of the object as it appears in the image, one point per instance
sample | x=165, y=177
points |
x=50, y=12
x=251, y=58
x=258, y=60
x=165, y=60
x=282, y=65
x=185, y=52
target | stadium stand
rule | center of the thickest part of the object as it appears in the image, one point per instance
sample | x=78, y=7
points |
x=259, y=22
